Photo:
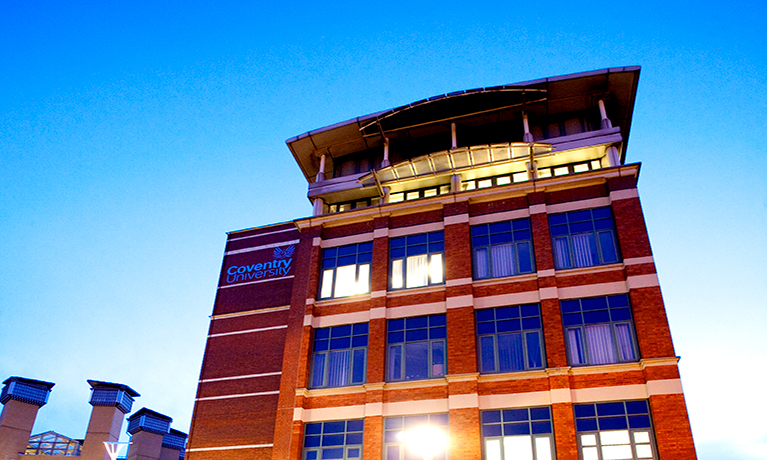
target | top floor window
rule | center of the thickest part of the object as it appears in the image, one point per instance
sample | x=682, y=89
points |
x=502, y=249
x=346, y=270
x=583, y=238
x=417, y=260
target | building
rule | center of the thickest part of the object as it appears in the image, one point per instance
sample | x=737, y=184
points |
x=151, y=435
x=477, y=262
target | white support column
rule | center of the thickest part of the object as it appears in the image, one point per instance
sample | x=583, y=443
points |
x=455, y=183
x=387, y=194
x=318, y=207
x=527, y=137
x=385, y=161
x=321, y=174
x=454, y=139
x=612, y=156
x=605, y=123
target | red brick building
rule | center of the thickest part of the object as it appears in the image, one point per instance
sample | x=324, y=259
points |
x=476, y=262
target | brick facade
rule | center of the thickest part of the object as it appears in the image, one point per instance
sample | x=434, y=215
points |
x=255, y=395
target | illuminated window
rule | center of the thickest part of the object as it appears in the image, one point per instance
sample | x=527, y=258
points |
x=346, y=270
x=339, y=355
x=502, y=249
x=524, y=433
x=416, y=348
x=510, y=339
x=340, y=439
x=417, y=260
x=583, y=238
x=614, y=430
x=52, y=443
x=520, y=176
x=394, y=428
x=599, y=330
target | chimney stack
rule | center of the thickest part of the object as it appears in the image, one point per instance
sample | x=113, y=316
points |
x=173, y=444
x=147, y=429
x=110, y=401
x=22, y=398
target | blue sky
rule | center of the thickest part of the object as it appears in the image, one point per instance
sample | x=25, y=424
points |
x=133, y=135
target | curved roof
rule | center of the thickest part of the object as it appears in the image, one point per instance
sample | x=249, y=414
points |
x=475, y=106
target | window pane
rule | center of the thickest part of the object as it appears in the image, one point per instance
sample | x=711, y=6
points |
x=338, y=368
x=543, y=448
x=487, y=352
x=575, y=346
x=533, y=350
x=327, y=284
x=363, y=284
x=625, y=344
x=600, y=344
x=437, y=359
x=396, y=274
x=345, y=281
x=606, y=243
x=518, y=448
x=416, y=361
x=435, y=269
x=510, y=354
x=395, y=362
x=503, y=260
x=319, y=370
x=493, y=449
x=481, y=263
x=358, y=368
x=417, y=271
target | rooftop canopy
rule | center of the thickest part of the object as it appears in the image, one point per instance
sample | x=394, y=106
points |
x=548, y=96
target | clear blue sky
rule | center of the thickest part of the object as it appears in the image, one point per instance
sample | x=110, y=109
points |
x=133, y=135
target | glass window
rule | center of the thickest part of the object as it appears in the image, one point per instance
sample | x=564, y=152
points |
x=599, y=330
x=502, y=249
x=340, y=439
x=584, y=238
x=614, y=430
x=339, y=355
x=417, y=260
x=394, y=428
x=524, y=433
x=416, y=348
x=510, y=339
x=346, y=270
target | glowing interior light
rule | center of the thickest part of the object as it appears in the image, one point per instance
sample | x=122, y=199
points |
x=425, y=441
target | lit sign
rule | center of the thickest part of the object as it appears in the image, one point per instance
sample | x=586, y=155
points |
x=278, y=267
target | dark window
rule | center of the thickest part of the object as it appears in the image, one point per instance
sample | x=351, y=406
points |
x=339, y=355
x=502, y=249
x=599, y=330
x=340, y=439
x=510, y=339
x=611, y=430
x=416, y=348
x=517, y=433
x=417, y=260
x=346, y=270
x=584, y=238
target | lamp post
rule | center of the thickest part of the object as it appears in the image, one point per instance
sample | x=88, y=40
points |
x=425, y=441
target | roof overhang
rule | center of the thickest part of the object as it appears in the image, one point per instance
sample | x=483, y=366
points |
x=538, y=97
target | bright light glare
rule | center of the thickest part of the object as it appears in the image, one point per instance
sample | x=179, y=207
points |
x=425, y=441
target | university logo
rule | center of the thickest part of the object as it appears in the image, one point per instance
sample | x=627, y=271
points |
x=279, y=267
